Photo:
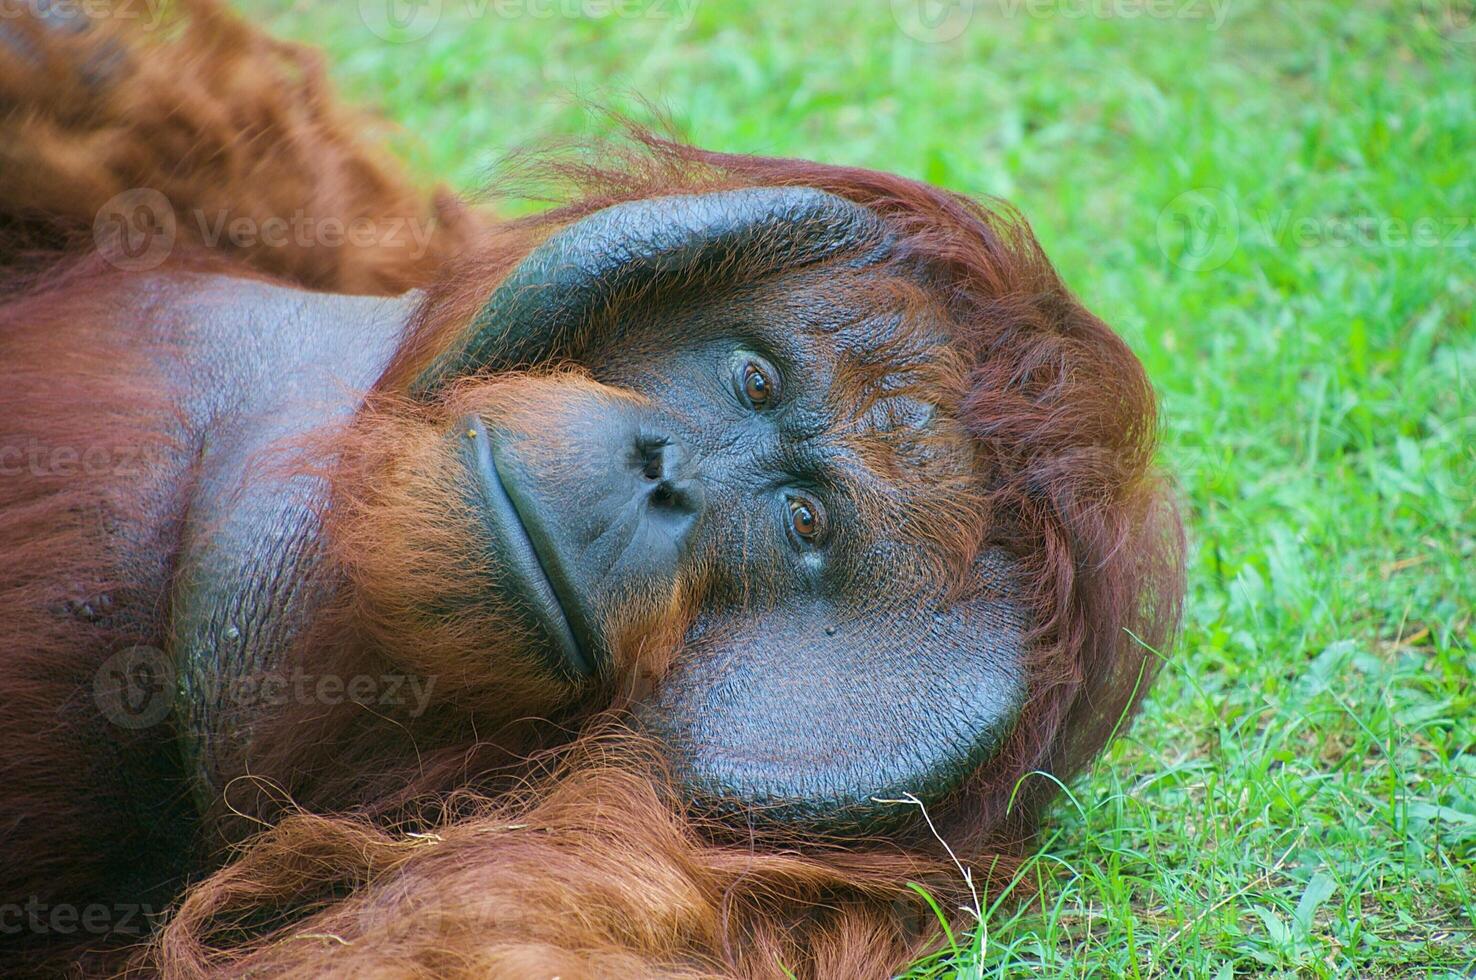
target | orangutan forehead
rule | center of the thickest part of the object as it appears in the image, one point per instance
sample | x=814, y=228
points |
x=895, y=394
x=887, y=337
x=894, y=399
x=902, y=456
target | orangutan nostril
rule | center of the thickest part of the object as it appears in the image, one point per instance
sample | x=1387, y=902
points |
x=651, y=452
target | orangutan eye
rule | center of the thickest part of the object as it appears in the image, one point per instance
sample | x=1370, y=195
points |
x=806, y=518
x=757, y=387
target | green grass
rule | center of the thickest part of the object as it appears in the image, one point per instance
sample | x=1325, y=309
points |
x=1299, y=798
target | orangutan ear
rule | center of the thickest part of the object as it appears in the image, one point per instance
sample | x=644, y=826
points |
x=814, y=717
x=617, y=255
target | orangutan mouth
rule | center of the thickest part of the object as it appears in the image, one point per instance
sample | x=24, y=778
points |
x=532, y=576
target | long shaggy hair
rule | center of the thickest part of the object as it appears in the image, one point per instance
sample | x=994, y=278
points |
x=476, y=841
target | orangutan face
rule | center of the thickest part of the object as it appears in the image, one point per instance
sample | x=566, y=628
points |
x=759, y=483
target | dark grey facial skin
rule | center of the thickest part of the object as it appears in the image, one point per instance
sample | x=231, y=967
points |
x=821, y=672
x=569, y=543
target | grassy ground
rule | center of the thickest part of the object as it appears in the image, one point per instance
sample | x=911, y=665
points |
x=1273, y=200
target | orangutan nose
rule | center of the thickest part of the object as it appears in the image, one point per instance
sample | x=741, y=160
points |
x=670, y=481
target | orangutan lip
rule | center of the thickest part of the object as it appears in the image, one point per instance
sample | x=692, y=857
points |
x=520, y=555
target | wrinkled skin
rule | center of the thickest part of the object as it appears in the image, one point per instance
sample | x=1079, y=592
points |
x=786, y=523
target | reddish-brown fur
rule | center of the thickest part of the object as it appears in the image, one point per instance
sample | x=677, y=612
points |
x=473, y=841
